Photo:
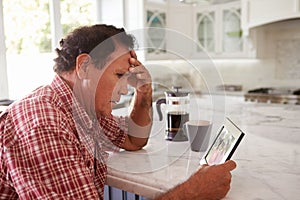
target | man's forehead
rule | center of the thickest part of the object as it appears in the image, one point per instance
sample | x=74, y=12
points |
x=122, y=63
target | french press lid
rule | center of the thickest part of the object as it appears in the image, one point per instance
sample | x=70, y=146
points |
x=176, y=92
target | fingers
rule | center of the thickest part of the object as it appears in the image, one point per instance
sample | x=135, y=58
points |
x=139, y=70
x=217, y=179
x=134, y=62
x=140, y=77
x=204, y=165
x=229, y=165
x=133, y=54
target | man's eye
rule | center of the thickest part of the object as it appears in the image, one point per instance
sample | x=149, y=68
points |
x=119, y=75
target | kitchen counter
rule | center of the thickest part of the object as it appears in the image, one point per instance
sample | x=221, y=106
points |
x=2, y=108
x=268, y=158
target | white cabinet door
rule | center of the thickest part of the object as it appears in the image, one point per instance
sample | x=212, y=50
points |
x=206, y=30
x=232, y=40
x=147, y=21
x=260, y=12
x=218, y=30
x=155, y=32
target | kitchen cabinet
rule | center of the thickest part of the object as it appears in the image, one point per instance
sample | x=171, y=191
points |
x=147, y=20
x=173, y=30
x=156, y=19
x=260, y=12
x=206, y=33
x=218, y=30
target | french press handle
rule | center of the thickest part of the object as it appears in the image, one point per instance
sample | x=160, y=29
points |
x=158, y=107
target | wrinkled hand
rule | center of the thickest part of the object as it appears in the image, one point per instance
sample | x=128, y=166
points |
x=211, y=182
x=140, y=78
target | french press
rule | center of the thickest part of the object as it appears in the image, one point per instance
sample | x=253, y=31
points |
x=176, y=113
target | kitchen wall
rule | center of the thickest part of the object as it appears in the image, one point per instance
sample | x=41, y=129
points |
x=277, y=63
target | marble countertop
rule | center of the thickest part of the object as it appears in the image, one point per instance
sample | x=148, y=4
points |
x=2, y=108
x=268, y=158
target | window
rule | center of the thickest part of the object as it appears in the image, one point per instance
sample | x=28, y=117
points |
x=28, y=39
x=76, y=13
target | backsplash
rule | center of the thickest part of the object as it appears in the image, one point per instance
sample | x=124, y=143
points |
x=288, y=59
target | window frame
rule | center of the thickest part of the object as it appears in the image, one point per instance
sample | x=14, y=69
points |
x=56, y=35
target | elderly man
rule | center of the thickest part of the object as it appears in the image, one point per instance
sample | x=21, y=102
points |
x=53, y=141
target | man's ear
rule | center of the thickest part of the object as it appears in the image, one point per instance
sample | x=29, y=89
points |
x=82, y=64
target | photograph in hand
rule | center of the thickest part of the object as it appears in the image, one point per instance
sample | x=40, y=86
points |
x=224, y=145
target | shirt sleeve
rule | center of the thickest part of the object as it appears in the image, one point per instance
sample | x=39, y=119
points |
x=48, y=163
x=114, y=128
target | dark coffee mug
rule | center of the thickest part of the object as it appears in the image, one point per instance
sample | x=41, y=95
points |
x=198, y=133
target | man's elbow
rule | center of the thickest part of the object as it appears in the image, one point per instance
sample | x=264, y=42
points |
x=140, y=143
x=135, y=144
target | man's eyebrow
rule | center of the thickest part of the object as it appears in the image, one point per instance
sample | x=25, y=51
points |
x=121, y=71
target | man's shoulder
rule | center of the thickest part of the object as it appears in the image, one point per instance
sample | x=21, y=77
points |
x=41, y=106
x=43, y=98
x=41, y=109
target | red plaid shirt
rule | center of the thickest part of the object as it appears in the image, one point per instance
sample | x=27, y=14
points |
x=48, y=146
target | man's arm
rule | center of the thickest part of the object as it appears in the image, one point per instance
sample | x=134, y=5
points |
x=140, y=122
x=209, y=182
x=140, y=118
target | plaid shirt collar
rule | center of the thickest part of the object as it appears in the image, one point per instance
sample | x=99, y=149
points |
x=71, y=103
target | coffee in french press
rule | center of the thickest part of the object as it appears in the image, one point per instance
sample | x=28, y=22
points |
x=176, y=114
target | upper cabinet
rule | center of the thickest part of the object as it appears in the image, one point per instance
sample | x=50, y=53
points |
x=155, y=24
x=206, y=33
x=170, y=29
x=147, y=21
x=260, y=12
x=218, y=30
x=232, y=40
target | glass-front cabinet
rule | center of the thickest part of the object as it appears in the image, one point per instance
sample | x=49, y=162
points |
x=147, y=21
x=156, y=34
x=215, y=27
x=232, y=32
x=218, y=30
x=206, y=30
